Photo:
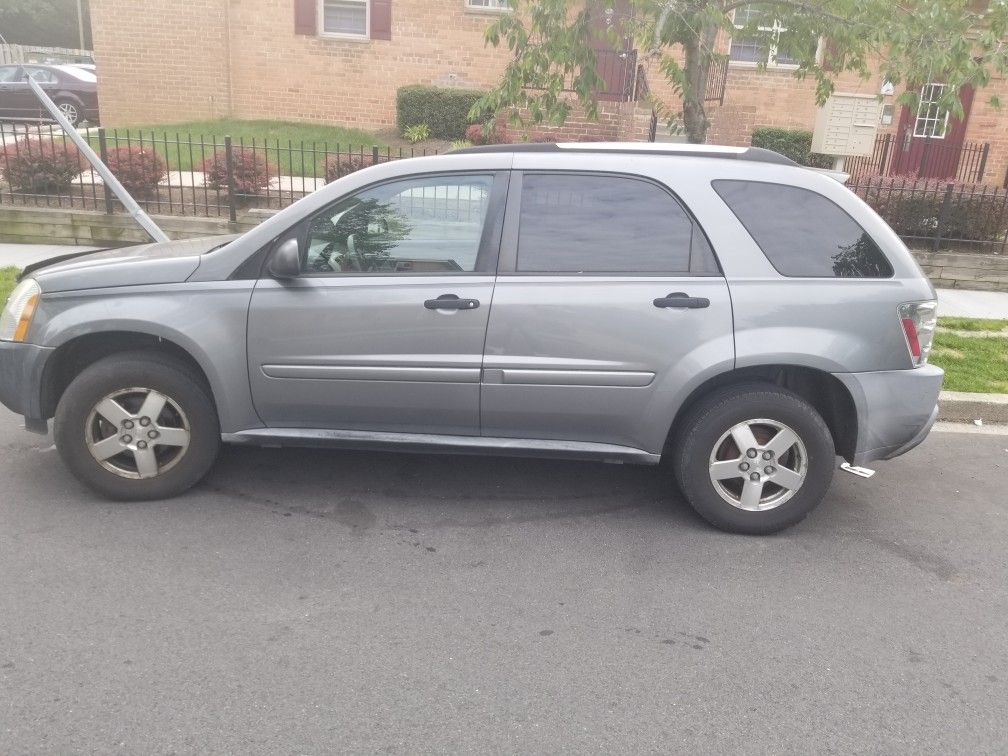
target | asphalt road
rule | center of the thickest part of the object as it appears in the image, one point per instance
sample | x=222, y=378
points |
x=307, y=602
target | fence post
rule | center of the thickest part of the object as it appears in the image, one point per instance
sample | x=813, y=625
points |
x=941, y=217
x=922, y=166
x=374, y=154
x=103, y=154
x=229, y=163
x=983, y=162
x=882, y=171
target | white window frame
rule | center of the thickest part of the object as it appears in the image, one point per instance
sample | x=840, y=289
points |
x=924, y=113
x=476, y=7
x=341, y=35
x=771, y=61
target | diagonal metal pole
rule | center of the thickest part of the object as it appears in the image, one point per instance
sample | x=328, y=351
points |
x=110, y=181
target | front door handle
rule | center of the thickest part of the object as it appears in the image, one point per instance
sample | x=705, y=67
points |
x=680, y=300
x=451, y=302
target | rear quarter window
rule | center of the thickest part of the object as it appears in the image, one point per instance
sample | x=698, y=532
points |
x=802, y=233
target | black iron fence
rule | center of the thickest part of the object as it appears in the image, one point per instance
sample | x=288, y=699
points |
x=935, y=215
x=175, y=174
x=217, y=176
x=902, y=155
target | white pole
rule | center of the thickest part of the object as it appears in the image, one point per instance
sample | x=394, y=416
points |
x=80, y=24
x=110, y=180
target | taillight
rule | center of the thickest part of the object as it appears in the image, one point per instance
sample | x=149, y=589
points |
x=919, y=320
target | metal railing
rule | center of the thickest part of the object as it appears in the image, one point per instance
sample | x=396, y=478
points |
x=935, y=215
x=895, y=154
x=203, y=176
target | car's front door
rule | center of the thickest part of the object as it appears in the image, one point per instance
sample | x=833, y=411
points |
x=609, y=307
x=384, y=328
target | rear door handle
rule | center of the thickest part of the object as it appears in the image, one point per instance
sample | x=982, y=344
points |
x=680, y=300
x=451, y=302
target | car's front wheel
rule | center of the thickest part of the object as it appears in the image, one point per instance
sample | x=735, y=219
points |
x=754, y=459
x=137, y=426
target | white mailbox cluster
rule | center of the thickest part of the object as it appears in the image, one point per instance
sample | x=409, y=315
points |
x=847, y=125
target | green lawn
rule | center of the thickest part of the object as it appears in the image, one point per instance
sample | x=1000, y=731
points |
x=283, y=140
x=8, y=278
x=972, y=363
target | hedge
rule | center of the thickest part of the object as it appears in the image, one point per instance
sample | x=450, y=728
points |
x=445, y=111
x=793, y=143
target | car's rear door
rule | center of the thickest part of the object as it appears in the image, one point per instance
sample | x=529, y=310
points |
x=384, y=328
x=609, y=306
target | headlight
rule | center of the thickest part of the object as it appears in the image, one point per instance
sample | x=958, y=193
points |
x=17, y=315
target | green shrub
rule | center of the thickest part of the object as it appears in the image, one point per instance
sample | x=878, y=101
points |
x=418, y=133
x=40, y=166
x=445, y=111
x=793, y=143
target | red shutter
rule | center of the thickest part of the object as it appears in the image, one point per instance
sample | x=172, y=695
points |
x=381, y=19
x=306, y=17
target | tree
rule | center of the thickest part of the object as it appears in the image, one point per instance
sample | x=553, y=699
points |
x=553, y=43
x=52, y=23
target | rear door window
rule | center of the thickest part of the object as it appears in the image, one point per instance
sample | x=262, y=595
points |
x=802, y=233
x=590, y=223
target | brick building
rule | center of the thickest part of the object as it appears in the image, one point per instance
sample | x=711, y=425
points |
x=341, y=61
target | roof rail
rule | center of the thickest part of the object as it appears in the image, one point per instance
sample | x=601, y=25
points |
x=753, y=154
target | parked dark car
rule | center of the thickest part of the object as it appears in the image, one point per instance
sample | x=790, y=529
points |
x=73, y=89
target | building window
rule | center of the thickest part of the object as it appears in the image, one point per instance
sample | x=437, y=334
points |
x=488, y=5
x=345, y=18
x=755, y=49
x=932, y=121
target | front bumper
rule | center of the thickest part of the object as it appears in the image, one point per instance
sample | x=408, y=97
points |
x=21, y=367
x=895, y=409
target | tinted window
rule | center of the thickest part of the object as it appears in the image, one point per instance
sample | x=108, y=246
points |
x=803, y=233
x=604, y=224
x=8, y=73
x=421, y=225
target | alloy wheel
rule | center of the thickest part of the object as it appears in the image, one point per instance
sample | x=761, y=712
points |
x=137, y=433
x=758, y=465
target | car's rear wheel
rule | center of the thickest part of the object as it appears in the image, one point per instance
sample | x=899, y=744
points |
x=137, y=426
x=754, y=459
x=71, y=110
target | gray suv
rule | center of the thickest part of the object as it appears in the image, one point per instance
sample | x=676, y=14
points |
x=744, y=318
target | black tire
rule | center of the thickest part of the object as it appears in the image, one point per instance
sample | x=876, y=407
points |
x=150, y=370
x=712, y=417
x=76, y=120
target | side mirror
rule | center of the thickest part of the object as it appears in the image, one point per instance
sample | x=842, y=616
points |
x=285, y=261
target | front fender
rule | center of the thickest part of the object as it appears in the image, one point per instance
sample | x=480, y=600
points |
x=207, y=320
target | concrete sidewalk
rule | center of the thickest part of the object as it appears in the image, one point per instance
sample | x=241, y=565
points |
x=21, y=255
x=963, y=303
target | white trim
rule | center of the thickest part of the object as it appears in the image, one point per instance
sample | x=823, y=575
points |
x=487, y=9
x=928, y=120
x=320, y=23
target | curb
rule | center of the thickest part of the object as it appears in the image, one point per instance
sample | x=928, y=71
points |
x=957, y=406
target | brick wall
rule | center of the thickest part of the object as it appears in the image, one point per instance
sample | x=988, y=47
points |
x=161, y=60
x=173, y=60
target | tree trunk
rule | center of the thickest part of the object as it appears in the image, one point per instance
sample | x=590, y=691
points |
x=698, y=49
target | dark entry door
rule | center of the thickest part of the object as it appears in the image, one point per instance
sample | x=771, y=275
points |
x=614, y=53
x=929, y=141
